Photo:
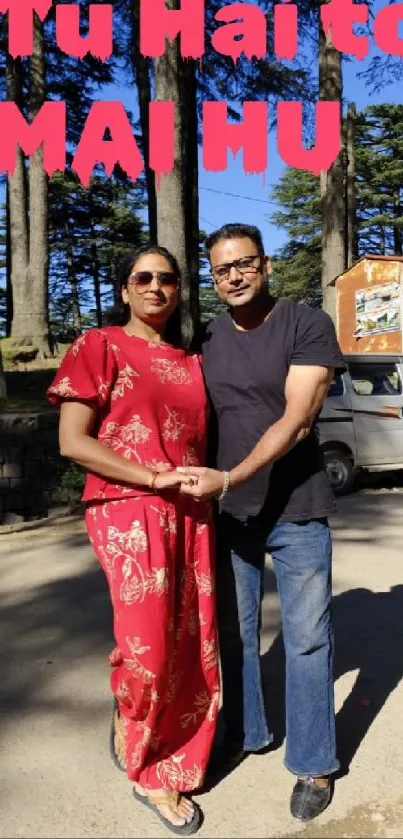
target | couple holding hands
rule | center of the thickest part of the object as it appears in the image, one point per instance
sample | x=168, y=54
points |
x=183, y=544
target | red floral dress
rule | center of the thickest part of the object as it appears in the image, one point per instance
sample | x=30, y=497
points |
x=156, y=550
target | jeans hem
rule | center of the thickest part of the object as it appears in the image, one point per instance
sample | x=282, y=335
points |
x=261, y=745
x=315, y=773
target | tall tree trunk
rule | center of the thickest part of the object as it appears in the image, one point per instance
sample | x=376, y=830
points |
x=38, y=205
x=397, y=241
x=397, y=233
x=28, y=228
x=382, y=238
x=113, y=279
x=3, y=387
x=350, y=208
x=95, y=271
x=75, y=299
x=141, y=66
x=191, y=175
x=18, y=227
x=332, y=181
x=171, y=195
x=9, y=289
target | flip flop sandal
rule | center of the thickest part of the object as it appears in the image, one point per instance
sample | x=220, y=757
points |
x=171, y=798
x=119, y=763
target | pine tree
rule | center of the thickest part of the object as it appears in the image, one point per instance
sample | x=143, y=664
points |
x=297, y=267
x=380, y=178
x=90, y=230
x=378, y=211
x=47, y=74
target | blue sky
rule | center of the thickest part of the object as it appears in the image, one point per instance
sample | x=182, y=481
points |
x=232, y=195
x=254, y=207
x=235, y=196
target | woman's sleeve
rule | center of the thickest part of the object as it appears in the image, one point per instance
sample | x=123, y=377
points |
x=87, y=372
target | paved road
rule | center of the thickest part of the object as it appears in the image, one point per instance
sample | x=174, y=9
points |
x=56, y=778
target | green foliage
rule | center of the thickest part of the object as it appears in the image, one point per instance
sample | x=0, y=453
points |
x=90, y=230
x=298, y=195
x=297, y=274
x=67, y=483
x=256, y=79
x=379, y=205
x=380, y=179
x=210, y=305
x=297, y=266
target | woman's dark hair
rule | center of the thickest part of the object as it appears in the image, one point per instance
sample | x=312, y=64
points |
x=121, y=313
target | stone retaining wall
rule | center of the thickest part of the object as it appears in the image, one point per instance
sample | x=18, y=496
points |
x=30, y=464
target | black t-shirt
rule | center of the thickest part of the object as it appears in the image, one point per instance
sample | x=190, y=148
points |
x=245, y=374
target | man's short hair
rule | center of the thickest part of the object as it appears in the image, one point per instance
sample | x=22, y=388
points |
x=236, y=231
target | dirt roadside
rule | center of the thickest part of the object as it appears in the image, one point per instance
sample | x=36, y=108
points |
x=57, y=779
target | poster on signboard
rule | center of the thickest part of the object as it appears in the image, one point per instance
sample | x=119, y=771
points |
x=378, y=309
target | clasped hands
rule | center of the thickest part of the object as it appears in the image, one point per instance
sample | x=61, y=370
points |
x=198, y=481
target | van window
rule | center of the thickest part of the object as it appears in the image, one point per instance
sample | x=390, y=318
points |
x=337, y=387
x=375, y=379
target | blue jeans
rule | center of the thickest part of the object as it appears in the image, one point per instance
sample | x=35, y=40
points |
x=302, y=554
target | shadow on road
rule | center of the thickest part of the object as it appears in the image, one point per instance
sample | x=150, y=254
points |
x=60, y=622
x=49, y=629
x=356, y=516
x=369, y=638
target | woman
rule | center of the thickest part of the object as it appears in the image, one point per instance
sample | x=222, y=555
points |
x=133, y=408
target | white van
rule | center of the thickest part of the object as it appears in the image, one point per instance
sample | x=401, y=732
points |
x=361, y=422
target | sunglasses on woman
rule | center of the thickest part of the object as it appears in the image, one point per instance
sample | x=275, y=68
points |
x=143, y=279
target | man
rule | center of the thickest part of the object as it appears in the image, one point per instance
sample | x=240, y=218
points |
x=268, y=365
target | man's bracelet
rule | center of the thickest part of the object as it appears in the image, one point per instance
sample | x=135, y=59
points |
x=225, y=486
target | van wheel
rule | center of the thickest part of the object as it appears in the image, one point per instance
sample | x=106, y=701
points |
x=340, y=471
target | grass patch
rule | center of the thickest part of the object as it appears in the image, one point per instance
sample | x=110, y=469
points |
x=18, y=357
x=27, y=381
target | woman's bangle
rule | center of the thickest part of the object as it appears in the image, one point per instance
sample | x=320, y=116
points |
x=225, y=487
x=153, y=479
